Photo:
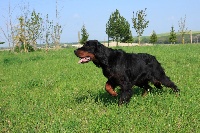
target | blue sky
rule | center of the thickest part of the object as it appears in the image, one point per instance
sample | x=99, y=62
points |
x=162, y=14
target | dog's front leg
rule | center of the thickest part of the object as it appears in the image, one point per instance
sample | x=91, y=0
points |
x=110, y=89
x=126, y=93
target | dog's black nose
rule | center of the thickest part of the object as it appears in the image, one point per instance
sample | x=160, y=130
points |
x=75, y=51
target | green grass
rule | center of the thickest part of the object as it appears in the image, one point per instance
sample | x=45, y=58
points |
x=51, y=92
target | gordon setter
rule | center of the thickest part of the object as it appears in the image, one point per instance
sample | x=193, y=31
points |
x=125, y=69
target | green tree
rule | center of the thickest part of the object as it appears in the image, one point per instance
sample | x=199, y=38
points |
x=126, y=34
x=9, y=32
x=57, y=29
x=47, y=27
x=2, y=42
x=182, y=28
x=21, y=34
x=118, y=28
x=21, y=37
x=33, y=28
x=139, y=22
x=84, y=35
x=153, y=37
x=172, y=36
x=145, y=39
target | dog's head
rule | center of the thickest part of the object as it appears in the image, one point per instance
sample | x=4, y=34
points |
x=88, y=51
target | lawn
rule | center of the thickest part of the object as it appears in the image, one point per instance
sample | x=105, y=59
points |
x=51, y=92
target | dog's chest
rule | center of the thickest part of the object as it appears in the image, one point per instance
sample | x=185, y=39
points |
x=112, y=74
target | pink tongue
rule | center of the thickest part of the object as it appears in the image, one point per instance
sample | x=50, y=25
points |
x=83, y=60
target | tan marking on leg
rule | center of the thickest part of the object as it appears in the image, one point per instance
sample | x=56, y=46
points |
x=110, y=90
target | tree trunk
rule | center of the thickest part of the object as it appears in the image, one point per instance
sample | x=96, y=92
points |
x=183, y=40
x=47, y=43
x=25, y=47
x=139, y=40
x=191, y=36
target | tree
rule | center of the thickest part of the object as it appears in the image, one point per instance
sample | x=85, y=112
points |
x=21, y=34
x=145, y=40
x=182, y=28
x=172, y=36
x=126, y=34
x=2, y=42
x=57, y=29
x=47, y=31
x=9, y=33
x=28, y=31
x=118, y=28
x=139, y=22
x=84, y=35
x=33, y=28
x=153, y=37
x=30, y=28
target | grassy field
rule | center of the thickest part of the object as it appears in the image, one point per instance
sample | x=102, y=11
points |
x=51, y=92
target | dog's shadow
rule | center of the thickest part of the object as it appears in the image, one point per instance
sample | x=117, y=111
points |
x=99, y=98
x=107, y=99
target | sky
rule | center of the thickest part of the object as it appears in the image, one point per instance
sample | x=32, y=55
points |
x=94, y=14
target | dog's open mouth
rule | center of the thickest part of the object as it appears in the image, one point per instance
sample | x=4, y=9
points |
x=84, y=59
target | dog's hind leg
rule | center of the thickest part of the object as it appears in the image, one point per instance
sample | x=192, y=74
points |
x=157, y=84
x=147, y=88
x=168, y=83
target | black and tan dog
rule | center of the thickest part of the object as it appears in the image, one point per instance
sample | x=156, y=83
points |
x=125, y=69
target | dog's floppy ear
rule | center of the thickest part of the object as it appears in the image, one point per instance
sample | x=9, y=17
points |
x=101, y=53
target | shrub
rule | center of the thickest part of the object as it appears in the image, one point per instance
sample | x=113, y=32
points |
x=21, y=48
